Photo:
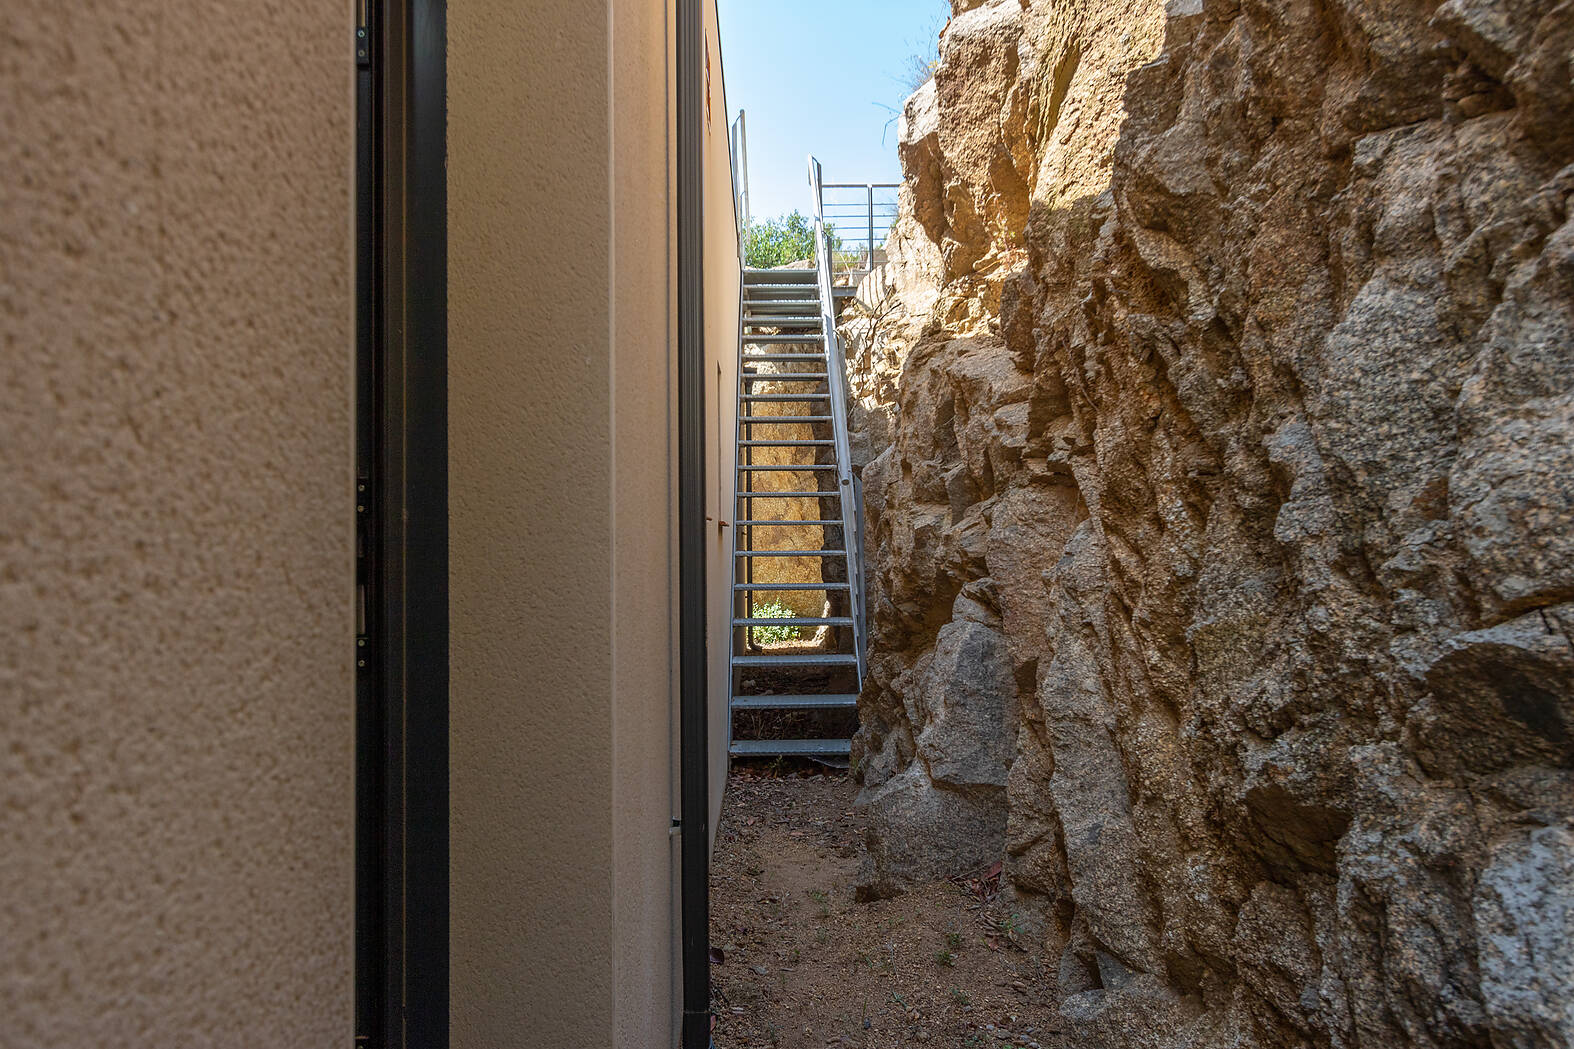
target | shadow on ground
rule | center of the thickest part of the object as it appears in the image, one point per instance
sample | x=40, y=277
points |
x=797, y=962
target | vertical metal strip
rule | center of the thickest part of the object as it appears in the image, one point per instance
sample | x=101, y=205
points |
x=869, y=242
x=692, y=671
x=425, y=505
x=371, y=941
x=402, y=489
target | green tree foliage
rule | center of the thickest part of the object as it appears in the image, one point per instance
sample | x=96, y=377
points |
x=777, y=242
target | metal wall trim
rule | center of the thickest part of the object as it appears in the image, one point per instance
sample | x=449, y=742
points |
x=693, y=670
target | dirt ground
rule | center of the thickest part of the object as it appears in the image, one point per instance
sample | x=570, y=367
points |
x=798, y=962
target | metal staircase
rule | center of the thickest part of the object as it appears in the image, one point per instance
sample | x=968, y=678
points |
x=792, y=424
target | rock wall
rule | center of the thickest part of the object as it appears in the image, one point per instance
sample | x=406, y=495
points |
x=1218, y=409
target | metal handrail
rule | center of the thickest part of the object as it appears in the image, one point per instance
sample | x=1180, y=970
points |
x=866, y=209
x=841, y=396
x=738, y=137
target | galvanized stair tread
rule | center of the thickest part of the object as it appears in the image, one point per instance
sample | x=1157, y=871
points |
x=755, y=274
x=831, y=494
x=784, y=339
x=822, y=585
x=818, y=357
x=797, y=621
x=807, y=395
x=791, y=748
x=781, y=444
x=789, y=524
x=789, y=553
x=819, y=659
x=800, y=701
x=787, y=467
x=757, y=419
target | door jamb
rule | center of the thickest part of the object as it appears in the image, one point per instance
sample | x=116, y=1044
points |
x=693, y=668
x=402, y=960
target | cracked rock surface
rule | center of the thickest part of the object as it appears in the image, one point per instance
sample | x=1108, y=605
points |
x=1216, y=414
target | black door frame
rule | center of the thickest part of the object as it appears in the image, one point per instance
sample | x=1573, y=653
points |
x=693, y=659
x=401, y=912
x=402, y=832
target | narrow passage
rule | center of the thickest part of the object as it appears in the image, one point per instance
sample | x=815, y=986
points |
x=798, y=962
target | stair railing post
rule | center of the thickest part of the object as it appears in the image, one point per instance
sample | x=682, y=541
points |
x=836, y=366
x=870, y=189
x=739, y=136
x=743, y=164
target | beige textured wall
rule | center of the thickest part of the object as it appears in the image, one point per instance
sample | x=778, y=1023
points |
x=722, y=274
x=644, y=569
x=563, y=527
x=175, y=537
x=530, y=329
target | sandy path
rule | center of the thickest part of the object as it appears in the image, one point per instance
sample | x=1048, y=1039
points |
x=806, y=965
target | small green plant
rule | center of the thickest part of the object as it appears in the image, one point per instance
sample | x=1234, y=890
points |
x=1010, y=927
x=945, y=958
x=774, y=635
x=953, y=939
x=960, y=997
x=823, y=898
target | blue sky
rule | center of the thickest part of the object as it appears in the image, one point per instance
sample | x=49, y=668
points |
x=814, y=76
